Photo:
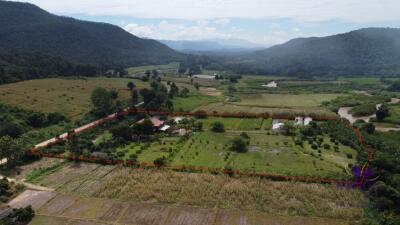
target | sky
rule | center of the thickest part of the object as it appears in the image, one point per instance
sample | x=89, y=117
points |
x=265, y=22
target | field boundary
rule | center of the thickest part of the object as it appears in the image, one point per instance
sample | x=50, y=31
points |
x=357, y=181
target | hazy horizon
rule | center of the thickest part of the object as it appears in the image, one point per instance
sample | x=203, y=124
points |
x=261, y=22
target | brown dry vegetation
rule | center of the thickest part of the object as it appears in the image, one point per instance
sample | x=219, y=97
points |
x=208, y=191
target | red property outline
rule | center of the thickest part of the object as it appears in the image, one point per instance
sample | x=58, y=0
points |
x=359, y=182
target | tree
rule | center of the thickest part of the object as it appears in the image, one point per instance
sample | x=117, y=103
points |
x=11, y=129
x=73, y=145
x=184, y=92
x=369, y=128
x=244, y=135
x=218, y=127
x=11, y=149
x=102, y=101
x=395, y=86
x=169, y=104
x=197, y=86
x=161, y=161
x=114, y=93
x=238, y=145
x=37, y=119
x=174, y=90
x=155, y=73
x=130, y=85
x=148, y=72
x=143, y=128
x=134, y=98
x=382, y=112
x=231, y=89
x=198, y=126
x=288, y=129
x=122, y=130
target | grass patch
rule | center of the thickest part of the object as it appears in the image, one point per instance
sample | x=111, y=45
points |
x=36, y=174
x=193, y=101
x=363, y=110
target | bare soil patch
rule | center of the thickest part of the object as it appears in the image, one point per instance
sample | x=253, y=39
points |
x=30, y=197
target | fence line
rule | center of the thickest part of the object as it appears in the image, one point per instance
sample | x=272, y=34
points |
x=349, y=182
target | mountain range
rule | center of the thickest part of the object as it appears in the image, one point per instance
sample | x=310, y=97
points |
x=215, y=46
x=369, y=51
x=27, y=28
x=82, y=47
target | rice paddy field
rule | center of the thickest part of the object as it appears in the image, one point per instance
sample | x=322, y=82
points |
x=70, y=97
x=99, y=194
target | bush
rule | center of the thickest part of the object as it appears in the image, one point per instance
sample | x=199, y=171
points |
x=238, y=145
x=161, y=161
x=327, y=146
x=349, y=155
x=244, y=135
x=37, y=120
x=218, y=127
x=314, y=146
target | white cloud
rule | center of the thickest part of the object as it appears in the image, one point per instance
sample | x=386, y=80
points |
x=302, y=10
x=222, y=22
x=176, y=31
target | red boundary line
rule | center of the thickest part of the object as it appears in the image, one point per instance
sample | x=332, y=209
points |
x=360, y=137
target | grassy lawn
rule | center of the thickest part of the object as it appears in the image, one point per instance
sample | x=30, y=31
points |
x=70, y=97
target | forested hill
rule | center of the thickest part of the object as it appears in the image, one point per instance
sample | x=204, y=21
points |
x=370, y=51
x=27, y=28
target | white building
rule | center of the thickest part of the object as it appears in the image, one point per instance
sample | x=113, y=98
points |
x=299, y=121
x=276, y=125
x=307, y=121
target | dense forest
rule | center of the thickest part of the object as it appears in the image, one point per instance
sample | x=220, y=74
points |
x=371, y=51
x=24, y=66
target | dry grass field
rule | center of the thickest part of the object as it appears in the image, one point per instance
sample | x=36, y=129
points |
x=71, y=210
x=206, y=191
x=70, y=97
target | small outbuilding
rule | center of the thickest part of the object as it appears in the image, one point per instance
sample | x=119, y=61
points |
x=276, y=125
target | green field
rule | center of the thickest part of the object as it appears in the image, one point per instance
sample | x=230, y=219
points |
x=271, y=153
x=168, y=68
x=394, y=116
x=284, y=100
x=193, y=101
x=362, y=80
x=70, y=97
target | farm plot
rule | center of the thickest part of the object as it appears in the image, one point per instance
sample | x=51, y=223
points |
x=202, y=190
x=267, y=153
x=236, y=123
x=85, y=212
x=70, y=97
x=232, y=107
x=193, y=101
x=284, y=100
